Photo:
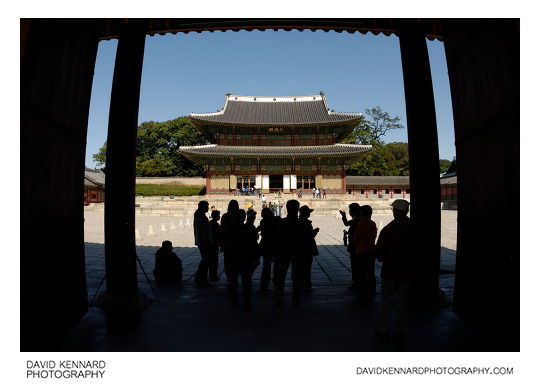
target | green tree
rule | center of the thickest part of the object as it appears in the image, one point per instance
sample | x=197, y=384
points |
x=101, y=156
x=385, y=160
x=444, y=164
x=373, y=127
x=157, y=144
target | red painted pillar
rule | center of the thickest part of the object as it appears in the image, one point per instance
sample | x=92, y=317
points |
x=208, y=181
x=343, y=182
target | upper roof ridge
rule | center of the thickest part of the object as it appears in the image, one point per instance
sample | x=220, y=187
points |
x=318, y=105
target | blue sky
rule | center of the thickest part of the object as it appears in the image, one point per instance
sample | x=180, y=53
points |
x=191, y=73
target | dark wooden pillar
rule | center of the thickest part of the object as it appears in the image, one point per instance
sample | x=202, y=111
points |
x=483, y=59
x=57, y=70
x=423, y=162
x=120, y=259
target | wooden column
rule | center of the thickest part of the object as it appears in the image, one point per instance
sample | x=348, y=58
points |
x=483, y=59
x=423, y=162
x=120, y=259
x=57, y=69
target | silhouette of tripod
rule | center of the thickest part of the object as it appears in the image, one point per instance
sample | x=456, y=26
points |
x=144, y=272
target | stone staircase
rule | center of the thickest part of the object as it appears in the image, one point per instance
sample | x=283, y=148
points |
x=186, y=206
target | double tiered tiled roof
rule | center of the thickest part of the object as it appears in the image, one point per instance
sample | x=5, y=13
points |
x=295, y=114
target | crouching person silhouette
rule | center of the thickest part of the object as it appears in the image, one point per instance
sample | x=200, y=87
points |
x=168, y=268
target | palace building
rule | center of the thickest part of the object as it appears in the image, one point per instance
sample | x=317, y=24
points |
x=275, y=143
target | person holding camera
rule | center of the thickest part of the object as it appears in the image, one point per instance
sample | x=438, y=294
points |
x=354, y=212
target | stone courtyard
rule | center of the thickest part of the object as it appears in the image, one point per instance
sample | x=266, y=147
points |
x=189, y=318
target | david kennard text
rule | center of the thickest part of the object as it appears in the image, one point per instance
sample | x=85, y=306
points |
x=65, y=369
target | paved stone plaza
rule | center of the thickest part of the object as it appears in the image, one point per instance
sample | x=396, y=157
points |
x=329, y=318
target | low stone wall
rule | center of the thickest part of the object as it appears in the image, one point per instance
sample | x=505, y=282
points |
x=185, y=180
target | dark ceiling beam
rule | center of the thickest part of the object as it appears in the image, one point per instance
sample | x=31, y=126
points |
x=431, y=27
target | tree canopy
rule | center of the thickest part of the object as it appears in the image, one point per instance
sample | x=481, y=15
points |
x=386, y=159
x=157, y=144
x=375, y=125
x=444, y=164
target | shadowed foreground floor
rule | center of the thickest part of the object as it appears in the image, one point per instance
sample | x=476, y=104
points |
x=189, y=318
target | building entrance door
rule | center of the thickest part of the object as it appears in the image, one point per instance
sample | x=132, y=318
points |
x=276, y=182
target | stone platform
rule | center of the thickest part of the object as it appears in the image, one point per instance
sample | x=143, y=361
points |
x=186, y=206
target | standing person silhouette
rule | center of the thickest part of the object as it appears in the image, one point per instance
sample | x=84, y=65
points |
x=203, y=240
x=251, y=215
x=243, y=256
x=267, y=246
x=216, y=246
x=290, y=242
x=395, y=249
x=354, y=212
x=226, y=235
x=311, y=250
x=364, y=242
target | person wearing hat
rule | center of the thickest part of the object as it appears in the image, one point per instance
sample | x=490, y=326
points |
x=395, y=249
x=311, y=250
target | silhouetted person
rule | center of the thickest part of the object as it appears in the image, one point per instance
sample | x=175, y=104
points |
x=216, y=246
x=395, y=250
x=311, y=249
x=203, y=239
x=267, y=245
x=364, y=242
x=290, y=241
x=354, y=212
x=226, y=235
x=244, y=254
x=251, y=215
x=168, y=267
